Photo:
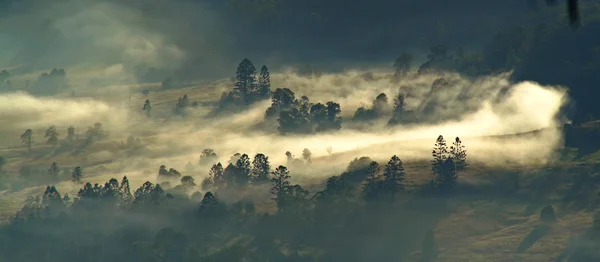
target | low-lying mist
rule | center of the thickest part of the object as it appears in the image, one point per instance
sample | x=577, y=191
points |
x=472, y=109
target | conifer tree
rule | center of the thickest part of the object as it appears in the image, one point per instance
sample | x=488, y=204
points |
x=279, y=184
x=147, y=108
x=242, y=171
x=440, y=154
x=26, y=138
x=447, y=178
x=54, y=170
x=459, y=154
x=260, y=168
x=245, y=83
x=264, y=83
x=372, y=184
x=394, y=176
x=77, y=175
x=125, y=191
x=182, y=105
x=216, y=175
x=52, y=136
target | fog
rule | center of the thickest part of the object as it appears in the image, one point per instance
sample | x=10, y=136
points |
x=473, y=109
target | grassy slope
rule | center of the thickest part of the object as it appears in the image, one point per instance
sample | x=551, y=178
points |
x=477, y=230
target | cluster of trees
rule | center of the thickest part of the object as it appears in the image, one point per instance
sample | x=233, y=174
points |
x=325, y=226
x=239, y=172
x=93, y=133
x=183, y=103
x=50, y=83
x=302, y=116
x=248, y=88
x=379, y=108
x=446, y=162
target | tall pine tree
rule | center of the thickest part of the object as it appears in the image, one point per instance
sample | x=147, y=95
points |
x=26, y=138
x=52, y=136
x=279, y=185
x=440, y=154
x=372, y=184
x=459, y=154
x=77, y=175
x=264, y=83
x=394, y=176
x=245, y=84
x=260, y=168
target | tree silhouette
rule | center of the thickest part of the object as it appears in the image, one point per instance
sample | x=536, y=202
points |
x=459, y=154
x=125, y=192
x=394, y=176
x=243, y=170
x=440, y=154
x=188, y=181
x=208, y=156
x=147, y=108
x=52, y=136
x=264, y=83
x=77, y=175
x=372, y=184
x=182, y=105
x=306, y=154
x=216, y=174
x=260, y=168
x=26, y=138
x=446, y=176
x=54, y=170
x=279, y=184
x=282, y=99
x=71, y=134
x=245, y=83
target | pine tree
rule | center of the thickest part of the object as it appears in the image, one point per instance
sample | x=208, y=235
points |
x=216, y=175
x=125, y=192
x=264, y=83
x=459, y=154
x=147, y=108
x=52, y=136
x=54, y=170
x=210, y=206
x=279, y=184
x=182, y=105
x=26, y=138
x=260, y=168
x=77, y=175
x=399, y=103
x=245, y=83
x=372, y=184
x=447, y=178
x=440, y=154
x=394, y=176
x=242, y=170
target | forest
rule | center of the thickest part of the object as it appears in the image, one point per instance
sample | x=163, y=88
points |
x=309, y=148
